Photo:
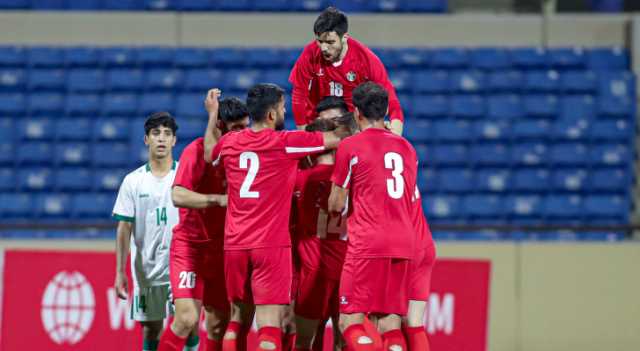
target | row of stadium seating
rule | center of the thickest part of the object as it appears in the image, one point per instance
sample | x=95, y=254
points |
x=230, y=5
x=484, y=58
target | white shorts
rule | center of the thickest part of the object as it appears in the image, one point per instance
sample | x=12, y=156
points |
x=151, y=304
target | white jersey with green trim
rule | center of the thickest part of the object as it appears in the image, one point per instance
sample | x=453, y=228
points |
x=145, y=201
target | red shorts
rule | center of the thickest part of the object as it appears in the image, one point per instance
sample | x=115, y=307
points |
x=317, y=295
x=420, y=274
x=263, y=276
x=374, y=285
x=196, y=272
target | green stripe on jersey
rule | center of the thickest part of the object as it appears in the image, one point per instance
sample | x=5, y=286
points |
x=123, y=218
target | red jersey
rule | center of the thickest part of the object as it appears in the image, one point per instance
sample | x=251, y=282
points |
x=313, y=78
x=200, y=225
x=321, y=239
x=379, y=168
x=260, y=168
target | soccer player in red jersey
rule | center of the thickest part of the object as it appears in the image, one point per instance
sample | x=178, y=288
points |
x=377, y=170
x=196, y=255
x=260, y=165
x=333, y=65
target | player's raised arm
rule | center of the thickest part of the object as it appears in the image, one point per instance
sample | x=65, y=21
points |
x=301, y=78
x=337, y=200
x=379, y=75
x=183, y=197
x=212, y=134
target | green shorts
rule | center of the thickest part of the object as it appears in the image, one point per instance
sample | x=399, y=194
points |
x=151, y=304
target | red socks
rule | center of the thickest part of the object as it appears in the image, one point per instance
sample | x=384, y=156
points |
x=270, y=335
x=357, y=338
x=212, y=345
x=393, y=340
x=169, y=341
x=417, y=338
x=232, y=344
x=288, y=342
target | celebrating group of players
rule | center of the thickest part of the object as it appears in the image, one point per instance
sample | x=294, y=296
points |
x=218, y=229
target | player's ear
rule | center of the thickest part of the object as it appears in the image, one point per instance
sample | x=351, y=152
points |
x=220, y=124
x=146, y=139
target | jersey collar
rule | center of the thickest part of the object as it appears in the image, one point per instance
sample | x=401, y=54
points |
x=173, y=166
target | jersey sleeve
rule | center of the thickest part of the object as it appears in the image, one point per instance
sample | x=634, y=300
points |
x=378, y=74
x=345, y=160
x=301, y=77
x=125, y=209
x=298, y=144
x=191, y=168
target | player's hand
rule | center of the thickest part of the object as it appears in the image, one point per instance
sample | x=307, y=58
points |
x=122, y=286
x=211, y=101
x=222, y=201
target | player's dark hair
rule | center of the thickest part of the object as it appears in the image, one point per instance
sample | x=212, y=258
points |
x=232, y=109
x=262, y=97
x=348, y=121
x=321, y=125
x=331, y=20
x=372, y=100
x=331, y=102
x=160, y=119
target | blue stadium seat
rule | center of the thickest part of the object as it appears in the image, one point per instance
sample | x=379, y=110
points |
x=191, y=57
x=467, y=82
x=448, y=155
x=155, y=57
x=542, y=81
x=72, y=154
x=263, y=57
x=531, y=180
x=563, y=207
x=490, y=154
x=81, y=57
x=412, y=58
x=578, y=82
x=52, y=206
x=195, y=5
x=201, y=80
x=610, y=180
x=72, y=179
x=452, y=131
x=12, y=104
x=92, y=5
x=426, y=6
x=608, y=59
x=120, y=104
x=541, y=105
x=46, y=79
x=124, y=80
x=83, y=104
x=530, y=58
x=610, y=155
x=233, y=5
x=163, y=79
x=12, y=79
x=614, y=207
x=111, y=129
x=85, y=80
x=484, y=206
x=110, y=154
x=190, y=105
x=490, y=59
x=12, y=56
x=35, y=179
x=388, y=56
x=351, y=5
x=489, y=130
x=617, y=130
x=504, y=107
x=150, y=103
x=7, y=179
x=122, y=5
x=524, y=206
x=431, y=82
x=386, y=5
x=568, y=129
x=279, y=77
x=16, y=205
x=191, y=128
x=422, y=151
x=569, y=154
x=226, y=57
x=449, y=58
x=615, y=106
x=427, y=181
x=401, y=79
x=118, y=57
x=493, y=180
x=309, y=5
x=571, y=180
x=139, y=154
x=420, y=132
x=567, y=58
x=577, y=107
x=532, y=129
x=7, y=129
x=616, y=84
x=45, y=57
x=430, y=106
x=505, y=81
x=601, y=236
x=241, y=79
x=108, y=179
x=455, y=180
x=7, y=151
x=92, y=205
x=36, y=129
x=46, y=104
x=529, y=154
x=468, y=106
x=441, y=207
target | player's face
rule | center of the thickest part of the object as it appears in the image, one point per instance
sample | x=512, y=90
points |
x=236, y=125
x=331, y=113
x=331, y=45
x=160, y=141
x=279, y=114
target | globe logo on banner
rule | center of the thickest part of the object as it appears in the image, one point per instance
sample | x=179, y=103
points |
x=68, y=307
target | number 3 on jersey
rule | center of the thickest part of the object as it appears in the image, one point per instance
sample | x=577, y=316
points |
x=395, y=186
x=249, y=160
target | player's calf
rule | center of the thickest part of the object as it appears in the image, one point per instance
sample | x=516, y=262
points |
x=151, y=331
x=414, y=326
x=306, y=332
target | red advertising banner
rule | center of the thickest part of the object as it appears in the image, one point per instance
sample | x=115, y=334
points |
x=56, y=300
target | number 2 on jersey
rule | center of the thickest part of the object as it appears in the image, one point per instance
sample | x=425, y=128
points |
x=395, y=186
x=249, y=160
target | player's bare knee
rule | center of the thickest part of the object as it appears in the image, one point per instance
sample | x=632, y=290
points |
x=151, y=330
x=185, y=321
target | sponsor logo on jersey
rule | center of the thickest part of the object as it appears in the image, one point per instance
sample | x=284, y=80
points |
x=351, y=76
x=142, y=196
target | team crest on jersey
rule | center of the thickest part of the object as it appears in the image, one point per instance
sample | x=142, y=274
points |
x=351, y=76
